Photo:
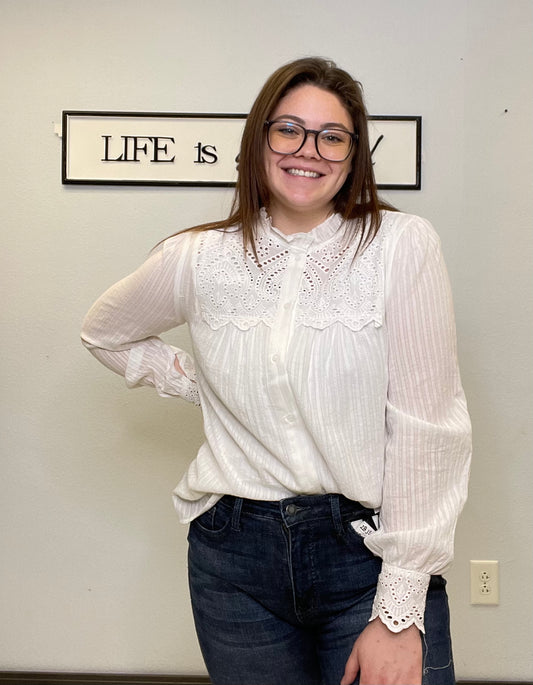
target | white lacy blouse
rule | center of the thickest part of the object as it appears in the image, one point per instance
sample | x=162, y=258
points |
x=316, y=373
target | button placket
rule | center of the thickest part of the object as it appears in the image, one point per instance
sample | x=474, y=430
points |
x=287, y=304
x=283, y=324
x=281, y=334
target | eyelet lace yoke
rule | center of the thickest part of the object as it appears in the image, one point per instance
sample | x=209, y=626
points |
x=235, y=288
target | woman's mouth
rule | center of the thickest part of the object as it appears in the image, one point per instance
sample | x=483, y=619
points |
x=302, y=172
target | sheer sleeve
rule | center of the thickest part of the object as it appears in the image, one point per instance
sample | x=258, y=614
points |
x=122, y=327
x=428, y=445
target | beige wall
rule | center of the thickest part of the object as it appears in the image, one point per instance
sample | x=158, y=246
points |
x=92, y=559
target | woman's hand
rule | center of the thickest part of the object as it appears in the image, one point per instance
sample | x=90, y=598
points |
x=384, y=657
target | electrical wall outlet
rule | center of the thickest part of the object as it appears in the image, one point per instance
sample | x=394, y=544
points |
x=484, y=582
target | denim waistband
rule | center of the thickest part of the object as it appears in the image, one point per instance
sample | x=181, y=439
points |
x=298, y=509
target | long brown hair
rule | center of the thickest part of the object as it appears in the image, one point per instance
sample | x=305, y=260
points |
x=357, y=199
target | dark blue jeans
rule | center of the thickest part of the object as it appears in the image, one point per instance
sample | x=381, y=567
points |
x=281, y=590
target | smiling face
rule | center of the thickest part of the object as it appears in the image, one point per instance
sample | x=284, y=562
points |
x=302, y=185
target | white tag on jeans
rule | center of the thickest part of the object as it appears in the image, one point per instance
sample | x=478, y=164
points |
x=364, y=528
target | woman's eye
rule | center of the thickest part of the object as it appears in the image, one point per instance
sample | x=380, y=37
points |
x=287, y=131
x=332, y=138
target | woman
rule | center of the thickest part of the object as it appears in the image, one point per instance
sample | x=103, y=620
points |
x=323, y=502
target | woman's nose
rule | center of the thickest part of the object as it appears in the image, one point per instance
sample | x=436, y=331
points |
x=308, y=149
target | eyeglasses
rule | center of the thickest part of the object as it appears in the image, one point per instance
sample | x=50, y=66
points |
x=332, y=144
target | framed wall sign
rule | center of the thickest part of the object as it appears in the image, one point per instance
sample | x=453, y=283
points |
x=396, y=144
x=165, y=149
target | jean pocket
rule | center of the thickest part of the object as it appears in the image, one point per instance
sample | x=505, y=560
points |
x=361, y=525
x=214, y=522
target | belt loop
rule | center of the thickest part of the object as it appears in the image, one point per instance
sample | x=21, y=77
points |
x=336, y=513
x=236, y=518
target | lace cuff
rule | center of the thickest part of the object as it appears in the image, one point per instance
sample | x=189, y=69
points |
x=152, y=363
x=190, y=394
x=400, y=598
x=180, y=384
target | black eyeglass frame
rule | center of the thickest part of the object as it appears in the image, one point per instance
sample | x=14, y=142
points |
x=354, y=138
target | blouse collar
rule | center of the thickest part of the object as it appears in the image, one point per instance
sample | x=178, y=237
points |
x=319, y=234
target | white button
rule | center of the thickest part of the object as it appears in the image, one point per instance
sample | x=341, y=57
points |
x=287, y=305
x=290, y=418
x=275, y=358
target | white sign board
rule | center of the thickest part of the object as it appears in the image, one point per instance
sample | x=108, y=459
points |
x=131, y=148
